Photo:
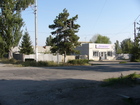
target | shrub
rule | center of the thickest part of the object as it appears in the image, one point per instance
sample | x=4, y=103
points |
x=78, y=61
x=29, y=63
x=39, y=63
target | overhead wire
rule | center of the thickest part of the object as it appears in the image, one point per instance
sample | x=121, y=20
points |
x=100, y=13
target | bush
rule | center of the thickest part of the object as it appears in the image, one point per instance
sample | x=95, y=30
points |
x=78, y=61
x=12, y=61
x=39, y=63
x=29, y=63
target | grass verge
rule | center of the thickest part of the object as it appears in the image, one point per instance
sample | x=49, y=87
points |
x=128, y=80
x=33, y=63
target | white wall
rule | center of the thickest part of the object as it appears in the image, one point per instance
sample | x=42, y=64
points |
x=101, y=48
x=48, y=57
x=87, y=49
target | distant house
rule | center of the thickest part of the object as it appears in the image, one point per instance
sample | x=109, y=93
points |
x=96, y=51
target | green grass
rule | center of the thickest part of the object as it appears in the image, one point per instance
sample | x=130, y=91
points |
x=128, y=80
x=122, y=62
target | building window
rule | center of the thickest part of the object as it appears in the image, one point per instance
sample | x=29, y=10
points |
x=95, y=53
x=109, y=53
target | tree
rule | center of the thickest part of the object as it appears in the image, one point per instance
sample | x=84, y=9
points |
x=127, y=45
x=49, y=41
x=26, y=44
x=94, y=38
x=2, y=48
x=11, y=22
x=118, y=47
x=100, y=39
x=65, y=39
x=136, y=50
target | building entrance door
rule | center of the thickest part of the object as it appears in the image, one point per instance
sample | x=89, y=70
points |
x=103, y=55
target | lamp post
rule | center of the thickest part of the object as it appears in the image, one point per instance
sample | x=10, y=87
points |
x=36, y=48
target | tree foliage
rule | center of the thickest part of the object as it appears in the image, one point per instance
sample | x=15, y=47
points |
x=136, y=50
x=26, y=44
x=127, y=45
x=2, y=48
x=65, y=39
x=49, y=41
x=118, y=47
x=11, y=22
x=100, y=39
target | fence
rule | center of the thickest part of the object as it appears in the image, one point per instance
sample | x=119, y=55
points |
x=43, y=57
x=123, y=56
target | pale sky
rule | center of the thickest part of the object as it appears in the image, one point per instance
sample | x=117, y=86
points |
x=111, y=18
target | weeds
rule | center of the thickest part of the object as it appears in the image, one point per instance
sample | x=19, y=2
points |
x=128, y=80
x=33, y=63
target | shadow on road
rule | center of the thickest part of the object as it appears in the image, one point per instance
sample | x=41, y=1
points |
x=103, y=68
x=59, y=92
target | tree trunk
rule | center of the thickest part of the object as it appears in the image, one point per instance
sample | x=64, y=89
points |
x=65, y=57
x=10, y=54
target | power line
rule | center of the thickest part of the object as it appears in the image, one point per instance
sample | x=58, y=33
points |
x=100, y=13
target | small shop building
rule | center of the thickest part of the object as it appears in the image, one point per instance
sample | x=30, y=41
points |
x=96, y=51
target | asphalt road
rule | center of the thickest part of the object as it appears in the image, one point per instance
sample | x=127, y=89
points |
x=60, y=85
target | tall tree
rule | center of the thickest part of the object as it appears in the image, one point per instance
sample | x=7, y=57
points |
x=49, y=41
x=26, y=44
x=100, y=39
x=118, y=47
x=127, y=45
x=11, y=22
x=136, y=50
x=2, y=48
x=94, y=38
x=65, y=39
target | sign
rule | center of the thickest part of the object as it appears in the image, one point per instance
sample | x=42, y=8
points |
x=103, y=46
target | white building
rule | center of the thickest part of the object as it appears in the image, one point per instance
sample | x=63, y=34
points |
x=96, y=51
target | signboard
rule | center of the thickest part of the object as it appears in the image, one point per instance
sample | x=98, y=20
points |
x=103, y=46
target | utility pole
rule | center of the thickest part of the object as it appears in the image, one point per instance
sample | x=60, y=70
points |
x=134, y=30
x=36, y=47
x=135, y=27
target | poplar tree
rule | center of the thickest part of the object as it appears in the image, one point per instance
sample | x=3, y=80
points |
x=126, y=46
x=118, y=47
x=100, y=39
x=26, y=44
x=65, y=39
x=11, y=22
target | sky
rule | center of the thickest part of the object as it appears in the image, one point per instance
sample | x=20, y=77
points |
x=111, y=18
